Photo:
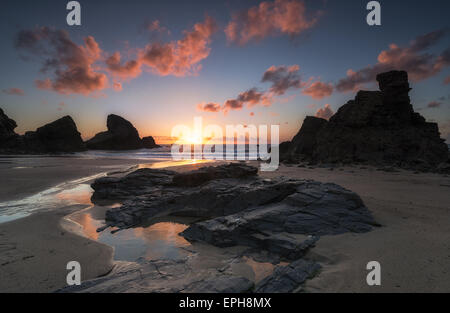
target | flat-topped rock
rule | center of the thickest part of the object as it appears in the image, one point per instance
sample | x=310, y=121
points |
x=377, y=127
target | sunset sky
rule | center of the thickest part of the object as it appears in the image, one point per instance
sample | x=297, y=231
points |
x=161, y=63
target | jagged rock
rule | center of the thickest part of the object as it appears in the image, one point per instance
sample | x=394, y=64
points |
x=7, y=127
x=149, y=143
x=377, y=127
x=312, y=208
x=57, y=137
x=60, y=136
x=288, y=278
x=121, y=135
x=137, y=183
x=282, y=216
x=205, y=174
x=165, y=276
x=305, y=141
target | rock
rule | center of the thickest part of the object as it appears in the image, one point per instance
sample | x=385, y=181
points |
x=305, y=141
x=283, y=216
x=7, y=127
x=140, y=182
x=288, y=278
x=121, y=135
x=149, y=143
x=312, y=208
x=205, y=174
x=164, y=276
x=377, y=127
x=60, y=136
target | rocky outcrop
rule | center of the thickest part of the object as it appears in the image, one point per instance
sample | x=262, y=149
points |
x=282, y=216
x=241, y=215
x=60, y=136
x=7, y=127
x=377, y=127
x=121, y=135
x=149, y=143
x=288, y=278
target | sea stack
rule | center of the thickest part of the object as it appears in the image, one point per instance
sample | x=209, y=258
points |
x=377, y=127
x=60, y=136
x=121, y=135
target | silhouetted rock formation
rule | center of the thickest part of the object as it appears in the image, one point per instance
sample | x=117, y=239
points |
x=7, y=127
x=121, y=135
x=59, y=136
x=149, y=143
x=377, y=127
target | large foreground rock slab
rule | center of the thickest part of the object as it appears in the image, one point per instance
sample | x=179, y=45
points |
x=282, y=216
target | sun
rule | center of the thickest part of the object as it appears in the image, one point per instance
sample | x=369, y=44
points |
x=194, y=139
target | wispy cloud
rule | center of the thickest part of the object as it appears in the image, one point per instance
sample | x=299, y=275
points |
x=434, y=104
x=318, y=90
x=14, y=92
x=419, y=64
x=269, y=18
x=72, y=65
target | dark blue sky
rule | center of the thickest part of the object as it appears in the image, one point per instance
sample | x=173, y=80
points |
x=338, y=40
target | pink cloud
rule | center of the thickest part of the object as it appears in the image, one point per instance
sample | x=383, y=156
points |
x=318, y=90
x=325, y=112
x=182, y=57
x=117, y=86
x=434, y=104
x=14, y=92
x=72, y=65
x=282, y=78
x=447, y=80
x=129, y=69
x=209, y=107
x=269, y=18
x=420, y=65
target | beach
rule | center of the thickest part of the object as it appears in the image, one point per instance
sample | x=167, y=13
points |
x=411, y=245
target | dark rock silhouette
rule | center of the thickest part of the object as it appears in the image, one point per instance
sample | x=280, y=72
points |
x=377, y=127
x=149, y=143
x=7, y=127
x=60, y=136
x=121, y=135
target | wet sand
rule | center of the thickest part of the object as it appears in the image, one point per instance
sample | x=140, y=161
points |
x=24, y=176
x=35, y=250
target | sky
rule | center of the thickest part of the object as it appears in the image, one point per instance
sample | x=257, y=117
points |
x=162, y=63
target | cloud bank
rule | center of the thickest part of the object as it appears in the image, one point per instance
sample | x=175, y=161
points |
x=269, y=18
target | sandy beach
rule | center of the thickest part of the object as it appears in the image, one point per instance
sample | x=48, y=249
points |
x=411, y=245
